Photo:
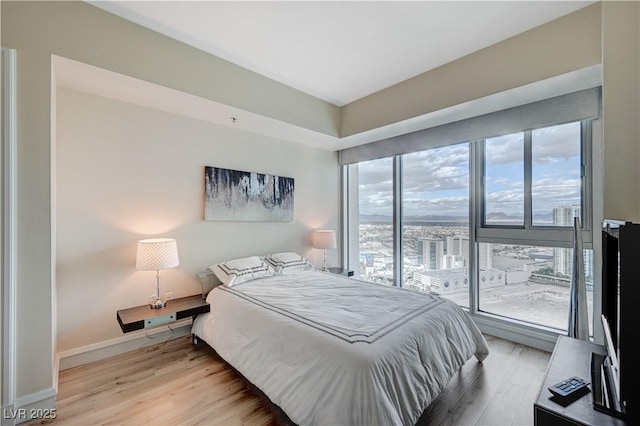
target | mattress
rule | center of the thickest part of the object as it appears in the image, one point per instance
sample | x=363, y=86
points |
x=331, y=350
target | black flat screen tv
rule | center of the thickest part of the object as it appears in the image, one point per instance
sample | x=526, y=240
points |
x=621, y=307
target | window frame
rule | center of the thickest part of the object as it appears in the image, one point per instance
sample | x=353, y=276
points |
x=529, y=234
x=528, y=333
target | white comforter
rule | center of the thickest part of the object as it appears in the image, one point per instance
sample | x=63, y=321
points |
x=336, y=351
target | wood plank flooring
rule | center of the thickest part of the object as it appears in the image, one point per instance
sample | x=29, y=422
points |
x=179, y=383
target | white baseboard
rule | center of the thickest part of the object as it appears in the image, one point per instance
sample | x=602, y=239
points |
x=39, y=405
x=129, y=342
x=540, y=339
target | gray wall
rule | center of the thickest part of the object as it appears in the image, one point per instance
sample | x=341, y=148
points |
x=125, y=172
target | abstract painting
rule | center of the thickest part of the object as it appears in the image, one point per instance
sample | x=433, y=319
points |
x=234, y=195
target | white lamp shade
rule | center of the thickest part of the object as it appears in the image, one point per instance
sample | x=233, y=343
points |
x=324, y=239
x=155, y=254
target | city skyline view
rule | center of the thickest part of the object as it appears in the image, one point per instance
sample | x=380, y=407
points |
x=529, y=283
x=525, y=282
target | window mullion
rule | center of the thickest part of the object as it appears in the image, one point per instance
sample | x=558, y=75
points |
x=528, y=167
x=478, y=171
x=397, y=220
x=585, y=175
x=476, y=217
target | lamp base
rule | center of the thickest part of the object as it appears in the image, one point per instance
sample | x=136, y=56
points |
x=157, y=304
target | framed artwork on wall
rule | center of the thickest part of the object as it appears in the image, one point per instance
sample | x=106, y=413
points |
x=234, y=195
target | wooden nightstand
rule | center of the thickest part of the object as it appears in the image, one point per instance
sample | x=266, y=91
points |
x=341, y=271
x=142, y=317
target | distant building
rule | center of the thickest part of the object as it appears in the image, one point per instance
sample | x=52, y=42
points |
x=424, y=282
x=563, y=216
x=432, y=253
x=449, y=261
x=588, y=265
x=448, y=281
x=562, y=257
x=420, y=252
x=562, y=261
x=453, y=247
x=485, y=260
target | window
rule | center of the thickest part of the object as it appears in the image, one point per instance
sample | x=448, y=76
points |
x=525, y=283
x=533, y=190
x=504, y=180
x=556, y=173
x=512, y=258
x=435, y=222
x=375, y=206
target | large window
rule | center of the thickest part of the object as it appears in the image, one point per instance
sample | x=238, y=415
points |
x=486, y=223
x=375, y=207
x=533, y=190
x=435, y=222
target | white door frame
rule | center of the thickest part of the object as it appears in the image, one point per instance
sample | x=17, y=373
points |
x=8, y=249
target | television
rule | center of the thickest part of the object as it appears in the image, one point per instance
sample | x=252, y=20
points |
x=620, y=304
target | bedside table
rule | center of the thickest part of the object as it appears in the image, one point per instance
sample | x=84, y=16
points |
x=341, y=271
x=142, y=317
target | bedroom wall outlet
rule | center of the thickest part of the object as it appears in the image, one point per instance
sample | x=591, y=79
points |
x=168, y=295
x=151, y=298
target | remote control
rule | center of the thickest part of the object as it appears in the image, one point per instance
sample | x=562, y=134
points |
x=568, y=387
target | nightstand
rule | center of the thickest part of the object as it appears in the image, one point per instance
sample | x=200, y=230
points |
x=142, y=317
x=341, y=271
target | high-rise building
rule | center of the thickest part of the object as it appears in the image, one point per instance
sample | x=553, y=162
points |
x=420, y=253
x=449, y=261
x=484, y=253
x=562, y=260
x=485, y=259
x=453, y=245
x=563, y=216
x=432, y=253
x=588, y=265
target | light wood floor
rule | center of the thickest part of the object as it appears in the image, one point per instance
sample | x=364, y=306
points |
x=178, y=383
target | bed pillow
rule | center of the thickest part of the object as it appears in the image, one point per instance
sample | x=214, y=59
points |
x=236, y=271
x=288, y=262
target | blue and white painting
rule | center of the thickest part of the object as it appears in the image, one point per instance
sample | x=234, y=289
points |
x=234, y=195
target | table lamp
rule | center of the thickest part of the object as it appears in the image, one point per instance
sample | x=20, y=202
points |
x=324, y=239
x=155, y=254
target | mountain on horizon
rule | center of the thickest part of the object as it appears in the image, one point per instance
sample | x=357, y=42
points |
x=380, y=218
x=539, y=217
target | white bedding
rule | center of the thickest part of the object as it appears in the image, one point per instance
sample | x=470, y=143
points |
x=330, y=350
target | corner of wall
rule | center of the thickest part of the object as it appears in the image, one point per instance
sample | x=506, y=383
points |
x=39, y=405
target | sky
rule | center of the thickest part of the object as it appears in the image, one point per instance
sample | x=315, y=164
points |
x=436, y=182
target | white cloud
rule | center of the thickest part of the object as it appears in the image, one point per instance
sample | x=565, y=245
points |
x=556, y=144
x=437, y=181
x=505, y=149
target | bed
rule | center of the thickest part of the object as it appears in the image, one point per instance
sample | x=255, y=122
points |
x=331, y=350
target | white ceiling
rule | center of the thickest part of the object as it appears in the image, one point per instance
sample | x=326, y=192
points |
x=340, y=51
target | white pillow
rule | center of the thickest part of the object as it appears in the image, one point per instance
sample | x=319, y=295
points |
x=288, y=262
x=236, y=271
